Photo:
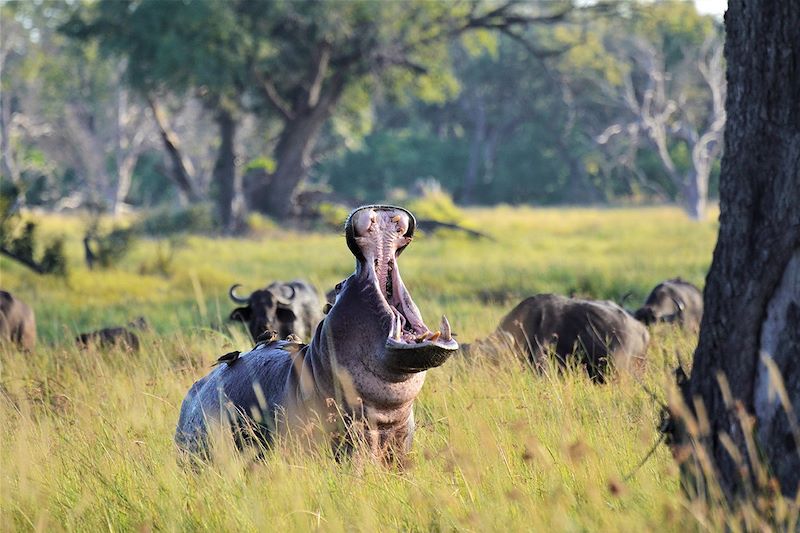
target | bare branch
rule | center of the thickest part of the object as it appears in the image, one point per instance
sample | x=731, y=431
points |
x=320, y=70
x=275, y=99
x=36, y=267
x=182, y=168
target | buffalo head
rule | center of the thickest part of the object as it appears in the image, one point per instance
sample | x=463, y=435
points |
x=265, y=309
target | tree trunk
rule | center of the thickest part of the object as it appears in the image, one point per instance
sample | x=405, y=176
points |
x=474, y=159
x=695, y=194
x=9, y=168
x=182, y=168
x=751, y=326
x=293, y=154
x=125, y=167
x=582, y=191
x=225, y=174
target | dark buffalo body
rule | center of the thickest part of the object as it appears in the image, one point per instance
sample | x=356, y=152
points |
x=17, y=321
x=118, y=336
x=598, y=333
x=359, y=375
x=285, y=307
x=674, y=301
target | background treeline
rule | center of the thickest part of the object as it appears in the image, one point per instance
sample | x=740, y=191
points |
x=253, y=106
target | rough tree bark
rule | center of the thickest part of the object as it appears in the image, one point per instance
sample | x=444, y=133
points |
x=225, y=175
x=298, y=139
x=475, y=104
x=182, y=168
x=751, y=327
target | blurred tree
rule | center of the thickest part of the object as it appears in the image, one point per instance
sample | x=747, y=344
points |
x=509, y=135
x=660, y=71
x=64, y=99
x=297, y=64
x=18, y=239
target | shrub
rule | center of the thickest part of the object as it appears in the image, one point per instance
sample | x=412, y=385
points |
x=196, y=218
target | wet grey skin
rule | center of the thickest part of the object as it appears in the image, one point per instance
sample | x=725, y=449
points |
x=363, y=369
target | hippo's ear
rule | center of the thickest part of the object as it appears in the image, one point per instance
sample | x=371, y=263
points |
x=241, y=314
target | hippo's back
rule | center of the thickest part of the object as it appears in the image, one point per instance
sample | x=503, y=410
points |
x=253, y=387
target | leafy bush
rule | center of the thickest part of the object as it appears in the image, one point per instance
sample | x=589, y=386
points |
x=54, y=261
x=333, y=215
x=110, y=248
x=197, y=218
x=434, y=203
x=20, y=245
x=162, y=263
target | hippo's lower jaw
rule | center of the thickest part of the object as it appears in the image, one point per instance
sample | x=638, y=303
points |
x=377, y=235
x=409, y=358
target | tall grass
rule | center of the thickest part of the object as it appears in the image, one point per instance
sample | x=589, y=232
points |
x=86, y=436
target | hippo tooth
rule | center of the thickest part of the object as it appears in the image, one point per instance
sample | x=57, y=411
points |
x=397, y=328
x=425, y=336
x=435, y=336
x=396, y=218
x=445, y=327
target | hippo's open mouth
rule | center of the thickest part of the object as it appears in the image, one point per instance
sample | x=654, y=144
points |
x=377, y=235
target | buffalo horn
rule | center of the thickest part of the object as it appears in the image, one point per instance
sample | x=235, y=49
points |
x=235, y=298
x=286, y=300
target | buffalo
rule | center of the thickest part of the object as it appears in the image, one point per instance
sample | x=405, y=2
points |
x=355, y=383
x=287, y=308
x=598, y=333
x=17, y=321
x=114, y=336
x=673, y=301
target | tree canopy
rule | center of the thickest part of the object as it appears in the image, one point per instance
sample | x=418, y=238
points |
x=246, y=103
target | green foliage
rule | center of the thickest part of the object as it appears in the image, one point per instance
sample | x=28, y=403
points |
x=197, y=218
x=435, y=204
x=22, y=245
x=394, y=159
x=409, y=81
x=54, y=259
x=161, y=263
x=109, y=248
x=18, y=238
x=333, y=215
x=266, y=164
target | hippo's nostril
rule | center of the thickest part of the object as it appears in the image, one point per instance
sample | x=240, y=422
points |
x=363, y=221
x=401, y=219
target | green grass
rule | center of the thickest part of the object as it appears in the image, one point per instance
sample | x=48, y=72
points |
x=86, y=437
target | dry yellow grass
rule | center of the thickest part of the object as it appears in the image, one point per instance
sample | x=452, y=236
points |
x=86, y=437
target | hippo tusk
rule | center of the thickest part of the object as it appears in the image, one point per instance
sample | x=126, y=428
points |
x=444, y=326
x=235, y=298
x=397, y=328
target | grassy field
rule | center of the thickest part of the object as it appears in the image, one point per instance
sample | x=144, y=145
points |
x=86, y=437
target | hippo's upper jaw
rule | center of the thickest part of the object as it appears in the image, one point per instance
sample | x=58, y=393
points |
x=377, y=235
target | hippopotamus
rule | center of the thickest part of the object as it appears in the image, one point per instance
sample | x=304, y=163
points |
x=673, y=301
x=355, y=382
x=17, y=321
x=599, y=333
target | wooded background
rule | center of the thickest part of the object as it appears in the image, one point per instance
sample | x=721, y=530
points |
x=113, y=104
